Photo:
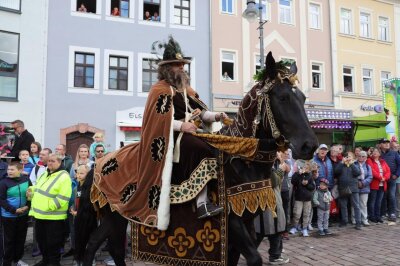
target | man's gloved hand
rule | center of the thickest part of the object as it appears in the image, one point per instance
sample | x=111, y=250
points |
x=221, y=116
x=188, y=127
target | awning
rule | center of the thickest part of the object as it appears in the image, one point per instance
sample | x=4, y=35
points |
x=369, y=129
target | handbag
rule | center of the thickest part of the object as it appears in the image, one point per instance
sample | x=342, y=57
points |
x=345, y=192
x=333, y=210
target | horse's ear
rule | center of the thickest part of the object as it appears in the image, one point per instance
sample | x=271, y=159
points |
x=270, y=66
x=293, y=68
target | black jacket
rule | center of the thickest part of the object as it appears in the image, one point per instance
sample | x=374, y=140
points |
x=22, y=142
x=303, y=192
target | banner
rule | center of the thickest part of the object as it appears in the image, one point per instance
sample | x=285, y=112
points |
x=391, y=101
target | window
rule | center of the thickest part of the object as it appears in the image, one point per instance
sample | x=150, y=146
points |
x=227, y=6
x=228, y=66
x=315, y=16
x=257, y=63
x=348, y=79
x=383, y=30
x=182, y=12
x=10, y=4
x=149, y=73
x=84, y=70
x=367, y=81
x=317, y=76
x=119, y=8
x=132, y=136
x=9, y=52
x=118, y=73
x=285, y=11
x=86, y=6
x=345, y=21
x=365, y=25
x=264, y=8
x=385, y=75
x=152, y=8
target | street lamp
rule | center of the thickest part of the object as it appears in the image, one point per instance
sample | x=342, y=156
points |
x=251, y=13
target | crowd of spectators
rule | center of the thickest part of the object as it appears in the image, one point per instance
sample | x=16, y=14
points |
x=359, y=187
x=50, y=190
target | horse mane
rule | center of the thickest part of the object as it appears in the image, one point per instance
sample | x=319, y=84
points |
x=242, y=125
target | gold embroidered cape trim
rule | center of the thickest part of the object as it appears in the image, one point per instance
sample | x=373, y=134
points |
x=252, y=196
x=244, y=147
x=187, y=190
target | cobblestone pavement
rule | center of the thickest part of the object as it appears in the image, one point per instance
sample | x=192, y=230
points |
x=373, y=245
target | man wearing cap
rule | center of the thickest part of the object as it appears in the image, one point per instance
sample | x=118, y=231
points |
x=392, y=158
x=364, y=181
x=325, y=165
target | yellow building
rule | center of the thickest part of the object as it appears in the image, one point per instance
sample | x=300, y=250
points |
x=363, y=53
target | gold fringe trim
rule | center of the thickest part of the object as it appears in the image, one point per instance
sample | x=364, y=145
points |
x=245, y=147
x=252, y=200
x=97, y=196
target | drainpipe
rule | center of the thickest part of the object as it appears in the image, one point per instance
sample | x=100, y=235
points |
x=211, y=95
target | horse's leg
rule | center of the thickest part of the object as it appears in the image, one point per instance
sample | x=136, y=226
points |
x=117, y=239
x=233, y=255
x=242, y=241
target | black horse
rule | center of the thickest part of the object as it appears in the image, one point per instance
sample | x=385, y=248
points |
x=281, y=121
x=273, y=112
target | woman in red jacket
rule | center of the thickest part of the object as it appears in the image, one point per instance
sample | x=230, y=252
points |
x=380, y=176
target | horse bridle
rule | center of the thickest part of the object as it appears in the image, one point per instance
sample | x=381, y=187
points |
x=263, y=95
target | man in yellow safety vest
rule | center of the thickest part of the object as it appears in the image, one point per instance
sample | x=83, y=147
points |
x=50, y=197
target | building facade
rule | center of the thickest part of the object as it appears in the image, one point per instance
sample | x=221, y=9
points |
x=101, y=67
x=364, y=53
x=23, y=36
x=296, y=30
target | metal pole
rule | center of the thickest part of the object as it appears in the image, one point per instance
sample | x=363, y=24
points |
x=261, y=28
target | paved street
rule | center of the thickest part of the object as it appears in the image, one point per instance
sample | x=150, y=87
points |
x=374, y=245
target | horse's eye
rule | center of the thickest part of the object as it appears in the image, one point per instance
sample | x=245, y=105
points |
x=283, y=98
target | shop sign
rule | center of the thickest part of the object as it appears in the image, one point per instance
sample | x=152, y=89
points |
x=369, y=108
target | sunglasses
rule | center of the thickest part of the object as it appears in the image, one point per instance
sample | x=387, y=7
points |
x=100, y=151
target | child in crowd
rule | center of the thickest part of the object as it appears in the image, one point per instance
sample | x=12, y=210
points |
x=83, y=212
x=303, y=187
x=98, y=139
x=14, y=214
x=27, y=166
x=322, y=199
x=35, y=150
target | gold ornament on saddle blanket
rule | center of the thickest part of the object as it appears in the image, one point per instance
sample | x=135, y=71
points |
x=244, y=147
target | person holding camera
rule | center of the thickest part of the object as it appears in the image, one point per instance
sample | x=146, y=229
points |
x=347, y=173
x=303, y=187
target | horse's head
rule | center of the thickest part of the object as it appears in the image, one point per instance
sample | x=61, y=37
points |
x=287, y=106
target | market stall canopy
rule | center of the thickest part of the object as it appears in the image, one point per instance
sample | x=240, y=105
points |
x=369, y=129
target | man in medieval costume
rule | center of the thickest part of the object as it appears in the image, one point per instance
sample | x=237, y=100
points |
x=138, y=179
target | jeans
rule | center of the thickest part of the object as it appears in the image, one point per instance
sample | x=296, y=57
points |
x=391, y=194
x=374, y=203
x=363, y=208
x=355, y=203
x=398, y=199
x=323, y=219
x=14, y=230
